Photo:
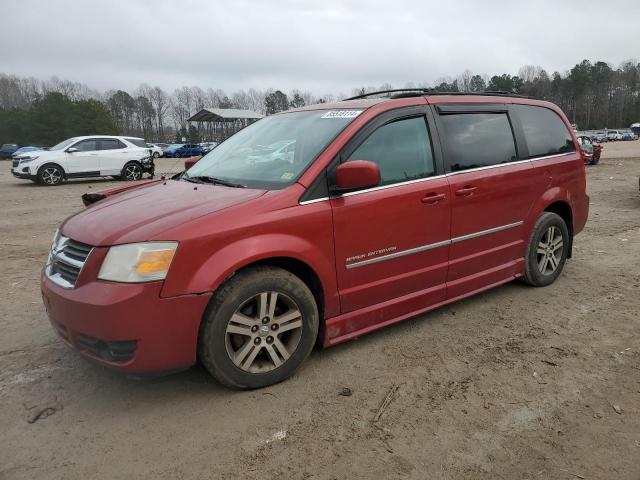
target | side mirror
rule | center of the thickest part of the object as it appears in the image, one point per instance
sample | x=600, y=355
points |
x=355, y=175
x=72, y=149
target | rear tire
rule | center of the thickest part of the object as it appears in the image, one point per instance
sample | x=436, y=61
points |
x=258, y=328
x=156, y=155
x=547, y=250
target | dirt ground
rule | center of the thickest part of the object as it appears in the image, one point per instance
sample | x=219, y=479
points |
x=514, y=383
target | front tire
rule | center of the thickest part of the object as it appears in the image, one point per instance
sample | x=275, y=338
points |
x=132, y=171
x=50, y=175
x=258, y=328
x=156, y=155
x=547, y=250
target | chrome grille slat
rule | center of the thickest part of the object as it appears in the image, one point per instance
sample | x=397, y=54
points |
x=66, y=259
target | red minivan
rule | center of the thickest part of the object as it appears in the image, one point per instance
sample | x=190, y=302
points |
x=318, y=225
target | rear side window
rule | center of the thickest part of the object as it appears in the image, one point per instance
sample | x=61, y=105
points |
x=476, y=140
x=111, y=144
x=138, y=142
x=544, y=131
x=401, y=149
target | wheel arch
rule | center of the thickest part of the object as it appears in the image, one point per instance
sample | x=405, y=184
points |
x=55, y=164
x=297, y=267
x=289, y=252
x=564, y=210
x=129, y=162
x=555, y=200
x=300, y=269
x=47, y=164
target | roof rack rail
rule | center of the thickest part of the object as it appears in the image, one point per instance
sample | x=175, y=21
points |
x=406, y=92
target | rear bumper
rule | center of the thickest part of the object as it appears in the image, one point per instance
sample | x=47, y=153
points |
x=580, y=213
x=128, y=327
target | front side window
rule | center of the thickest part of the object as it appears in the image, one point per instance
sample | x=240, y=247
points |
x=87, y=146
x=544, y=131
x=475, y=140
x=253, y=157
x=401, y=149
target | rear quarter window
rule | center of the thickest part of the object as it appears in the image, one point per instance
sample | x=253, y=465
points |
x=138, y=142
x=544, y=131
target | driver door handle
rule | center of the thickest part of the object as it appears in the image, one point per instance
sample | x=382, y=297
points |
x=431, y=198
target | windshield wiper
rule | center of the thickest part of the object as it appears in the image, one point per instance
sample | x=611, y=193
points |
x=213, y=180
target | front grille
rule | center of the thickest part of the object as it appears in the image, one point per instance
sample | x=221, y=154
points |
x=66, y=260
x=15, y=163
x=114, y=351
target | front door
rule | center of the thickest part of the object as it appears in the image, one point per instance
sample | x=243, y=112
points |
x=391, y=241
x=491, y=193
x=85, y=161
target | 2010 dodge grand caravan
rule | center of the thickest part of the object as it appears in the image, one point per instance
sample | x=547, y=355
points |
x=387, y=208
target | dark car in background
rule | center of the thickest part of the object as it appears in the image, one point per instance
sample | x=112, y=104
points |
x=8, y=149
x=184, y=150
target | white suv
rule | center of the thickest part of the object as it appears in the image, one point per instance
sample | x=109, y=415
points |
x=80, y=157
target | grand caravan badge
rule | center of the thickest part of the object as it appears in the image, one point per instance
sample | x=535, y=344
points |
x=342, y=114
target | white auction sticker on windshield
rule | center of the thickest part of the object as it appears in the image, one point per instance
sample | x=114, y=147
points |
x=342, y=114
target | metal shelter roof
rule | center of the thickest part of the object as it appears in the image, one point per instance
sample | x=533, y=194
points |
x=224, y=115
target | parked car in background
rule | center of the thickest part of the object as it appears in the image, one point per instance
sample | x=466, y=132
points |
x=90, y=156
x=614, y=135
x=635, y=128
x=591, y=149
x=8, y=149
x=283, y=151
x=246, y=266
x=628, y=135
x=156, y=150
x=183, y=150
x=600, y=136
x=24, y=150
x=208, y=146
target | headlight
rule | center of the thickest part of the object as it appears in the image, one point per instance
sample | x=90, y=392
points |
x=138, y=262
x=27, y=159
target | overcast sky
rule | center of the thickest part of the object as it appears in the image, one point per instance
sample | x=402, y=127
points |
x=323, y=46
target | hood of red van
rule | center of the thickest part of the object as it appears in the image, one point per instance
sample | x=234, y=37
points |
x=144, y=213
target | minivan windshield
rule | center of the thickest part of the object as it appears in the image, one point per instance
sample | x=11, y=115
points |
x=273, y=152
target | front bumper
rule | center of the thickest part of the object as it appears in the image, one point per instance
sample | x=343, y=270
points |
x=23, y=175
x=128, y=327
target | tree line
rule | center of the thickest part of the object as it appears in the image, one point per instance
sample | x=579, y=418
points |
x=43, y=112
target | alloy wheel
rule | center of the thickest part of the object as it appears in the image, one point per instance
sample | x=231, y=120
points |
x=264, y=332
x=51, y=176
x=549, y=252
x=132, y=172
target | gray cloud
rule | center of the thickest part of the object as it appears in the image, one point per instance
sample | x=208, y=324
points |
x=328, y=46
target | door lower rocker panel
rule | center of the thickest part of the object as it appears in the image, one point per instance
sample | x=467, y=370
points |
x=83, y=174
x=360, y=322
